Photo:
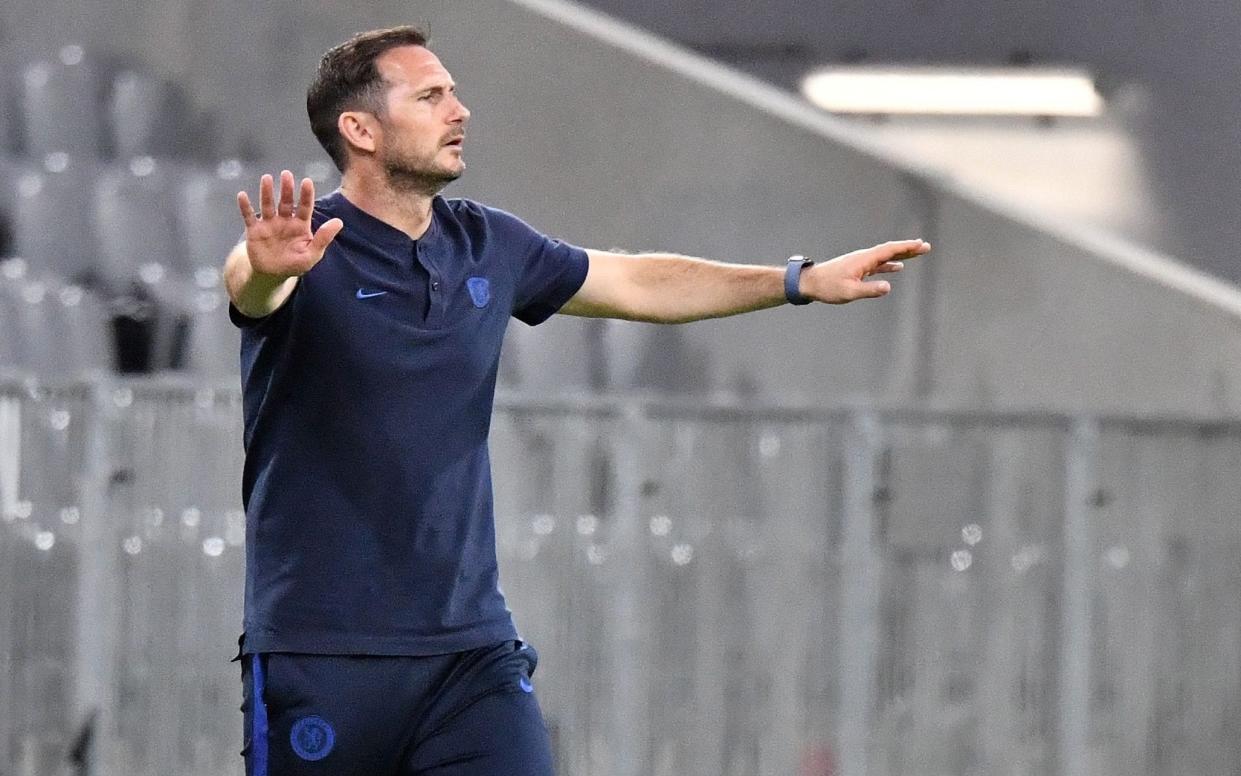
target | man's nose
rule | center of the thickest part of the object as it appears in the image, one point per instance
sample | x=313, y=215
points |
x=463, y=113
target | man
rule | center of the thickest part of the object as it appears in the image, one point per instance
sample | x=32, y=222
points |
x=376, y=639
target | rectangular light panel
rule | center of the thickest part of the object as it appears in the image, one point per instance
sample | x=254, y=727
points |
x=1010, y=91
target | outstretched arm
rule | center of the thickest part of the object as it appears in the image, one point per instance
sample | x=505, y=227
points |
x=280, y=247
x=662, y=288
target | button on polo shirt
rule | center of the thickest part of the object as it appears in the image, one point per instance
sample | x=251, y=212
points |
x=367, y=402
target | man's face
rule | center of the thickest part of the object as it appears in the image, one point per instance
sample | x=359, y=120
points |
x=423, y=128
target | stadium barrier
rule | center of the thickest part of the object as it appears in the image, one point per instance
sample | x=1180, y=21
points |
x=714, y=588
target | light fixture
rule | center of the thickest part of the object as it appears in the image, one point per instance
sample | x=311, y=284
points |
x=999, y=91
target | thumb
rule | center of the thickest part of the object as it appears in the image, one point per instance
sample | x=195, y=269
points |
x=326, y=233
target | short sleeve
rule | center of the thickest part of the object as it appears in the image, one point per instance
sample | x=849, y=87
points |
x=548, y=272
x=243, y=321
x=240, y=319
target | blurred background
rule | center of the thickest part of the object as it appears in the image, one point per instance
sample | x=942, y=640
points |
x=988, y=525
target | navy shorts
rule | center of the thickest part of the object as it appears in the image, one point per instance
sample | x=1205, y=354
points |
x=464, y=714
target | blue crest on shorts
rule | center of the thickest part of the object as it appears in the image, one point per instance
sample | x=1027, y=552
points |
x=480, y=291
x=312, y=738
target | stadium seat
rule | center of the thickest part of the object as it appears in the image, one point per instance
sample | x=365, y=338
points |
x=172, y=303
x=213, y=345
x=210, y=222
x=10, y=122
x=645, y=357
x=142, y=260
x=509, y=375
x=31, y=316
x=50, y=328
x=10, y=171
x=81, y=327
x=559, y=356
x=576, y=355
x=60, y=104
x=136, y=222
x=52, y=217
x=10, y=338
x=145, y=116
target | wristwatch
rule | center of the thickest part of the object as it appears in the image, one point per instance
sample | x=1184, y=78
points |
x=792, y=279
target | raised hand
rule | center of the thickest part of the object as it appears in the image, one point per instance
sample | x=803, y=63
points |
x=282, y=243
x=844, y=278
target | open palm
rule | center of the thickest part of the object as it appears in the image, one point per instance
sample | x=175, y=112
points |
x=281, y=241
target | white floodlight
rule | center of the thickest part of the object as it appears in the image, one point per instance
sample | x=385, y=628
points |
x=1010, y=91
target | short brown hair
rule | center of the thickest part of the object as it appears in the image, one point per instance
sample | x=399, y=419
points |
x=348, y=79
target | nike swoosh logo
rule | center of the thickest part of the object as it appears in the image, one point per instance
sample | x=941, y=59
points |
x=525, y=685
x=367, y=295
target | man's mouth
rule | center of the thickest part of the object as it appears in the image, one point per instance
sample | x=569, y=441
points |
x=456, y=141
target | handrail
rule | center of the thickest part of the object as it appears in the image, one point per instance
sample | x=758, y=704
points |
x=715, y=408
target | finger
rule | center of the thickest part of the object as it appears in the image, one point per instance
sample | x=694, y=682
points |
x=306, y=200
x=247, y=210
x=873, y=289
x=267, y=199
x=887, y=252
x=903, y=246
x=286, y=194
x=326, y=233
x=889, y=266
x=923, y=249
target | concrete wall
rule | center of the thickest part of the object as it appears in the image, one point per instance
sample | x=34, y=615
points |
x=1182, y=57
x=629, y=142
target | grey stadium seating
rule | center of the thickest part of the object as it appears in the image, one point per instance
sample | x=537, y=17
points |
x=210, y=222
x=213, y=344
x=50, y=328
x=60, y=103
x=142, y=116
x=52, y=216
x=136, y=220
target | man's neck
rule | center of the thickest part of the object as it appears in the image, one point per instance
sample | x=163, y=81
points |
x=408, y=211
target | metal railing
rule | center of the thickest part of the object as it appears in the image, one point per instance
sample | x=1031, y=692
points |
x=718, y=588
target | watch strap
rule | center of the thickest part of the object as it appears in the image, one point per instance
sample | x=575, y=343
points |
x=792, y=279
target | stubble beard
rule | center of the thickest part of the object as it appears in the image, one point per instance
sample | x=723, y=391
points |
x=417, y=176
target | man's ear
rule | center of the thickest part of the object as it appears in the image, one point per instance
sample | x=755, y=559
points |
x=359, y=129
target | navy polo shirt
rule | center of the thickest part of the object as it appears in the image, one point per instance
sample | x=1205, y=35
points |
x=367, y=402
